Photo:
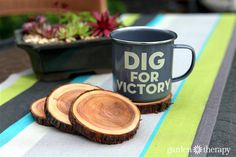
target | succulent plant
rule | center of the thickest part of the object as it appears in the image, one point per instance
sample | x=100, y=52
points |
x=40, y=19
x=66, y=33
x=39, y=26
x=70, y=17
x=74, y=30
x=72, y=26
x=104, y=24
x=86, y=17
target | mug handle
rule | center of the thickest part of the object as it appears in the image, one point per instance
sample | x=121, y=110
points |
x=182, y=46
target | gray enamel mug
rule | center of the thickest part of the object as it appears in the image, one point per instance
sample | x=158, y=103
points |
x=142, y=60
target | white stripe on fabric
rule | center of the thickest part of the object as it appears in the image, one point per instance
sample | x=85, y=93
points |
x=13, y=78
x=64, y=145
x=26, y=139
x=98, y=80
x=168, y=19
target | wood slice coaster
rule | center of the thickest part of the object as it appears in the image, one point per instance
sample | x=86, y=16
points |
x=37, y=110
x=105, y=117
x=59, y=101
x=155, y=106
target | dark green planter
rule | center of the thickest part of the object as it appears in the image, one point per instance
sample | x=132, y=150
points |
x=61, y=61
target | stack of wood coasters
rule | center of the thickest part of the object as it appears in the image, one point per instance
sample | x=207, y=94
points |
x=101, y=116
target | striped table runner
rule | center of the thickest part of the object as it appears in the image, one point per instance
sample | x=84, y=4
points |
x=177, y=127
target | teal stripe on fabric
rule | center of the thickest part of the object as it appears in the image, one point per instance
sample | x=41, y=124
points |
x=158, y=125
x=15, y=128
x=25, y=121
x=80, y=79
x=156, y=20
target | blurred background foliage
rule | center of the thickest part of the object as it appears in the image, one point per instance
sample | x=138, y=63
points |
x=9, y=23
x=116, y=6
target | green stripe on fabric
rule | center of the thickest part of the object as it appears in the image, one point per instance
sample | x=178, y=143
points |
x=23, y=83
x=180, y=125
x=130, y=19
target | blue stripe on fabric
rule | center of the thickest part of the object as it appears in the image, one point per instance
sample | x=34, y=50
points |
x=156, y=20
x=158, y=125
x=80, y=79
x=25, y=121
x=15, y=128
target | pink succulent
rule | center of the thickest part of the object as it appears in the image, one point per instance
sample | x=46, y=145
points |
x=39, y=26
x=104, y=24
